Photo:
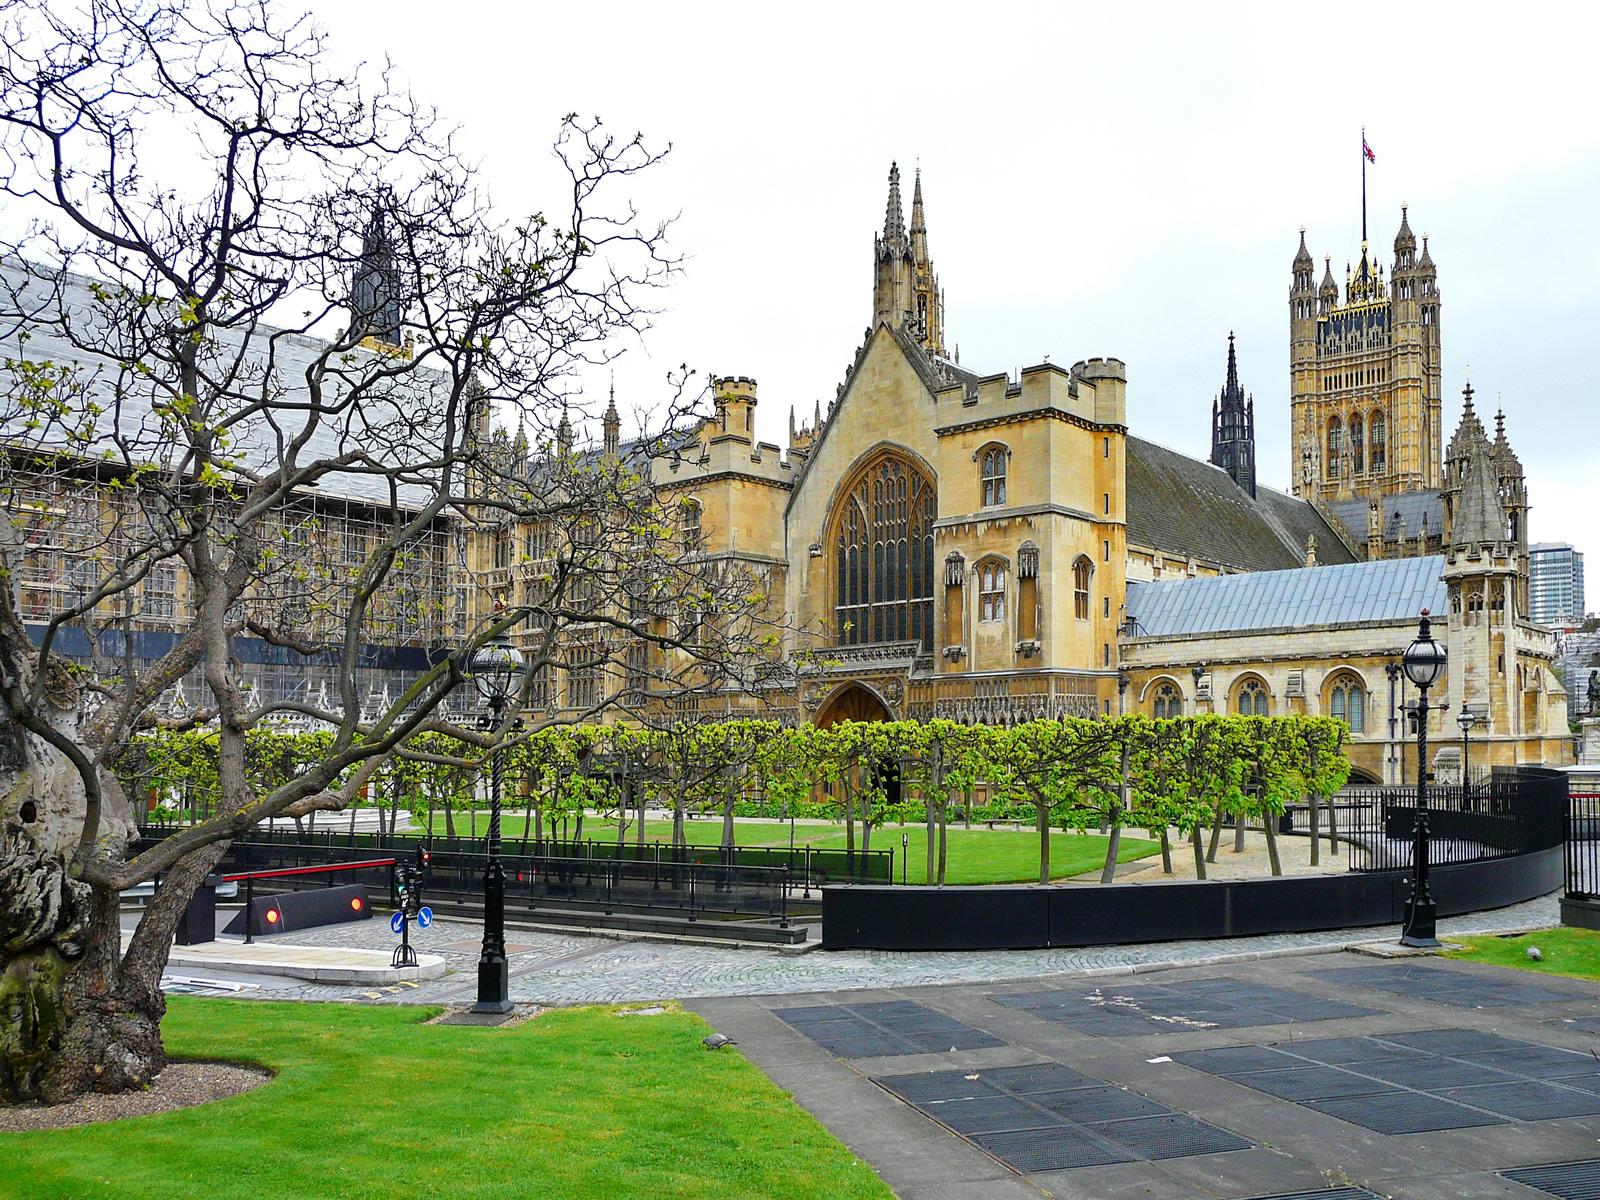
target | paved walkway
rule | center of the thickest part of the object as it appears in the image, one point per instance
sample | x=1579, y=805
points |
x=553, y=968
x=1142, y=1110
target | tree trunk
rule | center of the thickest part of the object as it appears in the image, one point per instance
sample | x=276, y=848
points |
x=77, y=1014
x=727, y=819
x=1041, y=816
x=1238, y=833
x=1166, y=852
x=944, y=824
x=1269, y=827
x=1216, y=834
x=1113, y=850
x=1316, y=832
x=1333, y=827
x=1197, y=839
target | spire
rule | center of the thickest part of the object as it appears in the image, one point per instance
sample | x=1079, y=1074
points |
x=564, y=432
x=1480, y=519
x=1232, y=386
x=919, y=228
x=1405, y=241
x=612, y=422
x=1330, y=289
x=375, y=284
x=1426, y=261
x=519, y=444
x=894, y=225
x=1302, y=257
x=1233, y=445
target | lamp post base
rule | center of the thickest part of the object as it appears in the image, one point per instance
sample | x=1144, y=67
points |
x=494, y=992
x=1421, y=926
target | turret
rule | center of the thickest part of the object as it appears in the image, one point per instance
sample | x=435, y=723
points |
x=375, y=309
x=736, y=409
x=1328, y=293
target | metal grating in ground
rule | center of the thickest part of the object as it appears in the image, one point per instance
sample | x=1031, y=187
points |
x=1124, y=1011
x=1418, y=1082
x=1568, y=1181
x=1442, y=985
x=883, y=1029
x=1048, y=1117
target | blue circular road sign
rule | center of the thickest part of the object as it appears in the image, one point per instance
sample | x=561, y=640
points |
x=397, y=922
x=424, y=917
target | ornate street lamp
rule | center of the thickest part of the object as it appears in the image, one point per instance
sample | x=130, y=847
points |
x=1466, y=719
x=496, y=670
x=1199, y=673
x=1423, y=663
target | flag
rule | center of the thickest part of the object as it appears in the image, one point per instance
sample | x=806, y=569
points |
x=1366, y=150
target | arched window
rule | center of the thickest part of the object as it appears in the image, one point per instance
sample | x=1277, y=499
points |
x=1377, y=437
x=1168, y=703
x=1357, y=449
x=883, y=555
x=1335, y=446
x=994, y=476
x=992, y=591
x=1251, y=700
x=1081, y=571
x=1347, y=702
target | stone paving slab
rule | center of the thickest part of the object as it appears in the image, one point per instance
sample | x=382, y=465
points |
x=1296, y=1148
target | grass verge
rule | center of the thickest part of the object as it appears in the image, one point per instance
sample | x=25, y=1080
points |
x=580, y=1104
x=1573, y=952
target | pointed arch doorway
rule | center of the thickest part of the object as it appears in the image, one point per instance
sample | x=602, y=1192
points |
x=855, y=702
x=852, y=703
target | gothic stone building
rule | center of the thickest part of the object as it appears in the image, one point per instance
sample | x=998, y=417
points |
x=996, y=547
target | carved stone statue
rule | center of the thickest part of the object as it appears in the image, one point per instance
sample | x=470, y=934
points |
x=1594, y=693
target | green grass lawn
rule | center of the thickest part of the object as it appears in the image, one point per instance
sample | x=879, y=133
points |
x=972, y=855
x=579, y=1104
x=1574, y=952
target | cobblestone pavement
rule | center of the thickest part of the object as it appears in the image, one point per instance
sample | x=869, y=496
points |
x=556, y=968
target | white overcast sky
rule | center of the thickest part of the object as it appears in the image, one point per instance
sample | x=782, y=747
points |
x=1107, y=179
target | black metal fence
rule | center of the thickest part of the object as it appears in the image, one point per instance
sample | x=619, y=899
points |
x=682, y=885
x=808, y=867
x=1583, y=846
x=1508, y=812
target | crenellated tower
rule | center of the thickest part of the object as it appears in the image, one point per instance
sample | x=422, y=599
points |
x=1233, y=428
x=905, y=290
x=1365, y=375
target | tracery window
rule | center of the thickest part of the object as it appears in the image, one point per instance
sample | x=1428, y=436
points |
x=994, y=476
x=1168, y=703
x=1357, y=450
x=992, y=591
x=1252, y=700
x=1081, y=571
x=883, y=555
x=689, y=525
x=1378, y=450
x=1335, y=446
x=1347, y=702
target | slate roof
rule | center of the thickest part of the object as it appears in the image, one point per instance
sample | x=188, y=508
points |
x=1409, y=507
x=1389, y=590
x=396, y=424
x=1182, y=507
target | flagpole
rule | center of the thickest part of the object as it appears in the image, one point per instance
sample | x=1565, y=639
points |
x=1363, y=187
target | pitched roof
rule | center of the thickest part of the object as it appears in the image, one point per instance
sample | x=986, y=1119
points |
x=1184, y=507
x=1408, y=510
x=1389, y=590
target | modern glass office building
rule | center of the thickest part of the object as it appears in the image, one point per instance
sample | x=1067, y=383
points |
x=1555, y=584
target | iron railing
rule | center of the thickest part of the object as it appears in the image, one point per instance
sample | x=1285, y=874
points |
x=1508, y=812
x=1583, y=846
x=808, y=866
x=678, y=884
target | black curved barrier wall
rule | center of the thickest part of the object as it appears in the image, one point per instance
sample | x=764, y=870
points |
x=1030, y=917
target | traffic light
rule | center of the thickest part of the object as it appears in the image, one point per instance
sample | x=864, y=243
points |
x=424, y=857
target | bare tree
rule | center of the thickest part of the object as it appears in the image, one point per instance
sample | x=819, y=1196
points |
x=257, y=335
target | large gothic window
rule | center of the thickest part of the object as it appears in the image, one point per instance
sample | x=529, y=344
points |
x=1356, y=447
x=883, y=555
x=1335, y=446
x=994, y=477
x=1167, y=703
x=1379, y=448
x=1251, y=700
